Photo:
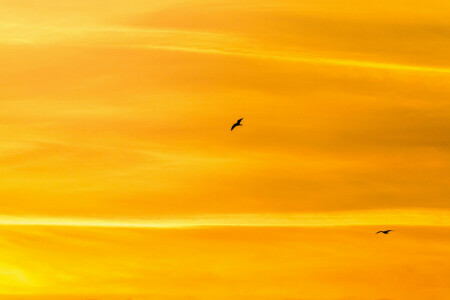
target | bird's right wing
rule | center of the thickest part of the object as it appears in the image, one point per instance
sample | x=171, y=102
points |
x=232, y=127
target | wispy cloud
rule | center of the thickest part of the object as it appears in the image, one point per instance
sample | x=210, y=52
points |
x=187, y=41
x=307, y=58
x=412, y=217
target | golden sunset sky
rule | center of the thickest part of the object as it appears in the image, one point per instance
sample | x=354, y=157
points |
x=120, y=178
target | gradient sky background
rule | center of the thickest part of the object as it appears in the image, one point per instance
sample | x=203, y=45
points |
x=120, y=179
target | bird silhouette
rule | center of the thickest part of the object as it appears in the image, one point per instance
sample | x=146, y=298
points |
x=384, y=231
x=238, y=123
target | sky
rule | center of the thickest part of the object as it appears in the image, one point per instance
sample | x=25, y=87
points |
x=120, y=178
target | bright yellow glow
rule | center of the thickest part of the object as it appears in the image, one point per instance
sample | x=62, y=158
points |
x=120, y=178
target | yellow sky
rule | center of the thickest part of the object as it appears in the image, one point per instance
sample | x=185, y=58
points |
x=120, y=178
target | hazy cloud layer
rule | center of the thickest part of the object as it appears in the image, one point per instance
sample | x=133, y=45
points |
x=119, y=111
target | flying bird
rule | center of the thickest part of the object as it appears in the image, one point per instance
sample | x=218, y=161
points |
x=384, y=231
x=238, y=123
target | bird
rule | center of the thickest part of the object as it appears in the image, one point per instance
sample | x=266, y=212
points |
x=238, y=123
x=384, y=231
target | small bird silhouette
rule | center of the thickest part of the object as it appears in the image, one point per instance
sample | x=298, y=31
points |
x=384, y=231
x=238, y=123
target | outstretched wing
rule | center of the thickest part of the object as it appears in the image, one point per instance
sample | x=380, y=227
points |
x=239, y=121
x=232, y=127
x=379, y=232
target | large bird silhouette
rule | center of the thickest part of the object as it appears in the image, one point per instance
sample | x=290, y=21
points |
x=238, y=123
x=384, y=231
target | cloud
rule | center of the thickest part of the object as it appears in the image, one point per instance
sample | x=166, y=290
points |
x=350, y=218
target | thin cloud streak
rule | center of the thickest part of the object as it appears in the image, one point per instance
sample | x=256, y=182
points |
x=205, y=43
x=311, y=60
x=400, y=217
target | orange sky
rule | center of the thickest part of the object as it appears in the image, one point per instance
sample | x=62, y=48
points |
x=120, y=179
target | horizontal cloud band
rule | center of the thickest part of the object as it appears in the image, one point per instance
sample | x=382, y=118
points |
x=405, y=217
